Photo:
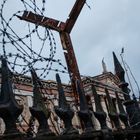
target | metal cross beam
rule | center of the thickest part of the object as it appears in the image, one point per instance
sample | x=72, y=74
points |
x=42, y=21
x=64, y=30
x=74, y=15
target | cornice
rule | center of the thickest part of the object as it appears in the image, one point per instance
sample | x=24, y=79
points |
x=52, y=85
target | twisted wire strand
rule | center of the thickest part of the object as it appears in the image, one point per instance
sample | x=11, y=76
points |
x=14, y=39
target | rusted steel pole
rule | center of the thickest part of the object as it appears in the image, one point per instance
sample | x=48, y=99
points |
x=39, y=109
x=75, y=12
x=71, y=60
x=64, y=30
x=64, y=111
x=42, y=21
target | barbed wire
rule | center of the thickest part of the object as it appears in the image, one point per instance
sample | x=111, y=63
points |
x=25, y=50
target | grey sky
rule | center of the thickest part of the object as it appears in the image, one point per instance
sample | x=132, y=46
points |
x=108, y=26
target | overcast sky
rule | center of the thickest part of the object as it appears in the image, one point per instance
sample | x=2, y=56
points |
x=108, y=26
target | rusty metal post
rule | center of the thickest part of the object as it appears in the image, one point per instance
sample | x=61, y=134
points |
x=71, y=61
x=99, y=113
x=84, y=114
x=39, y=110
x=112, y=111
x=122, y=114
x=64, y=30
x=64, y=111
x=9, y=108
